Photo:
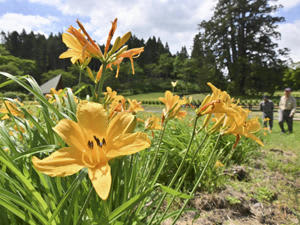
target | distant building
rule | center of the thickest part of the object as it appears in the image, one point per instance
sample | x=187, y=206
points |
x=55, y=83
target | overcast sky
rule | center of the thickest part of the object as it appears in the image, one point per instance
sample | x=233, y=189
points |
x=174, y=21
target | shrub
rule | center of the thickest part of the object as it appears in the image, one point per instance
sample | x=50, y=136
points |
x=15, y=94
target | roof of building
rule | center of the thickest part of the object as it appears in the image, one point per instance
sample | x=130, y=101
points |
x=53, y=83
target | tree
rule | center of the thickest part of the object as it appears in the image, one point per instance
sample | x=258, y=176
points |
x=3, y=51
x=205, y=60
x=291, y=77
x=240, y=34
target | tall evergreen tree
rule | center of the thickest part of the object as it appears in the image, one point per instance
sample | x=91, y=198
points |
x=241, y=33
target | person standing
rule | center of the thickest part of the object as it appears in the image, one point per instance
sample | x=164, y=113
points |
x=267, y=107
x=287, y=109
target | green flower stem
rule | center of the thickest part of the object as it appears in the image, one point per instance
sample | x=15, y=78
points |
x=183, y=177
x=185, y=155
x=85, y=205
x=80, y=74
x=178, y=170
x=151, y=165
x=156, y=151
x=198, y=181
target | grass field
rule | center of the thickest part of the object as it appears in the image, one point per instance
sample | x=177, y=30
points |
x=155, y=95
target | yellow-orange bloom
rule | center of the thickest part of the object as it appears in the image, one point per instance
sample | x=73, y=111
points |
x=83, y=48
x=131, y=53
x=76, y=50
x=117, y=105
x=109, y=94
x=93, y=141
x=218, y=102
x=174, y=83
x=134, y=106
x=218, y=164
x=247, y=129
x=173, y=105
x=153, y=123
x=10, y=107
x=110, y=35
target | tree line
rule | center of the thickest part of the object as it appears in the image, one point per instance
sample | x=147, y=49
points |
x=235, y=49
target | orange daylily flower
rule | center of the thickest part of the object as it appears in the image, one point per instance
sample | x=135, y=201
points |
x=228, y=116
x=248, y=129
x=218, y=164
x=76, y=49
x=173, y=105
x=110, y=94
x=174, y=83
x=131, y=53
x=153, y=123
x=10, y=107
x=117, y=105
x=83, y=48
x=110, y=35
x=93, y=141
x=134, y=106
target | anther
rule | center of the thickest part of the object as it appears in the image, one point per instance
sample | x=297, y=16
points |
x=97, y=141
x=91, y=144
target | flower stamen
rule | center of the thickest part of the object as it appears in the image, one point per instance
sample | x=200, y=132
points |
x=90, y=144
x=99, y=143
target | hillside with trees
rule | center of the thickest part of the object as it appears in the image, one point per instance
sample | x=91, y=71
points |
x=235, y=49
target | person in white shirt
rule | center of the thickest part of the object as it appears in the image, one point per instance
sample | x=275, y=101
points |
x=287, y=109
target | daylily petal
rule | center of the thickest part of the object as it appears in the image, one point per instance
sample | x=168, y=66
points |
x=88, y=36
x=110, y=35
x=122, y=123
x=99, y=74
x=253, y=137
x=71, y=42
x=63, y=162
x=92, y=117
x=71, y=133
x=127, y=144
x=101, y=180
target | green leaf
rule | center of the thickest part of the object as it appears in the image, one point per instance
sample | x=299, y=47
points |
x=36, y=91
x=81, y=89
x=35, y=122
x=10, y=82
x=5, y=138
x=4, y=194
x=45, y=148
x=28, y=185
x=174, y=192
x=72, y=188
x=18, y=212
x=128, y=204
x=118, y=223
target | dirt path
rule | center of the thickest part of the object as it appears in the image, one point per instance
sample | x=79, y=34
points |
x=263, y=195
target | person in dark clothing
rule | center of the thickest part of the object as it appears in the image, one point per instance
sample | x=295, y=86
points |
x=267, y=107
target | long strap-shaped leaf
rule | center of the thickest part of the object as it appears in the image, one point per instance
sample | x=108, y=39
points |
x=35, y=122
x=18, y=212
x=5, y=137
x=45, y=148
x=10, y=82
x=36, y=91
x=72, y=188
x=129, y=204
x=4, y=194
x=30, y=188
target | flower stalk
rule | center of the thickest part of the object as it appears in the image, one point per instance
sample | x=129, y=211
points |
x=198, y=180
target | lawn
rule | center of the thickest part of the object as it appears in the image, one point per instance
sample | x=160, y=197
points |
x=155, y=95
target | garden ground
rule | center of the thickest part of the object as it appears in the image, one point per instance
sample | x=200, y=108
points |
x=266, y=190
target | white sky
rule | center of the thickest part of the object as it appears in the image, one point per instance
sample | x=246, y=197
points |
x=174, y=21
